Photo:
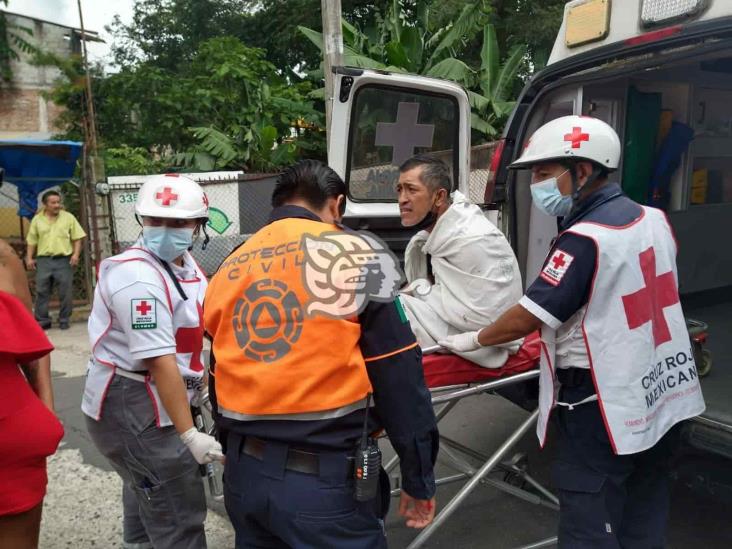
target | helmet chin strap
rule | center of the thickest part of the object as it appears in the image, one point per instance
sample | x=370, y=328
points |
x=206, y=238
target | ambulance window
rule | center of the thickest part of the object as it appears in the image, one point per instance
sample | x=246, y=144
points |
x=388, y=126
x=557, y=110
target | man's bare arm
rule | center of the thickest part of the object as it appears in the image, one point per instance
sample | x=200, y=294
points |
x=515, y=323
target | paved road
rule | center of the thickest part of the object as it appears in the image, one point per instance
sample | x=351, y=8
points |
x=83, y=509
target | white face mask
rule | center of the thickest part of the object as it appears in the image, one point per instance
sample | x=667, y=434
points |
x=548, y=199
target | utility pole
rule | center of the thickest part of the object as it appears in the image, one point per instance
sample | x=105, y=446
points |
x=92, y=136
x=332, y=51
x=92, y=171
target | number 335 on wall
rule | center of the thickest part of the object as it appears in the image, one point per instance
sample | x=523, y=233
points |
x=128, y=198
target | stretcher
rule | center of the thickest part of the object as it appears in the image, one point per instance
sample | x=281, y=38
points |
x=450, y=379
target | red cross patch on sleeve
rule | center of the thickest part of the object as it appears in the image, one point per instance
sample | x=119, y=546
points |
x=556, y=267
x=144, y=313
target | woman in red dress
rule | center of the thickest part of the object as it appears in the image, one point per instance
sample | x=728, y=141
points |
x=29, y=430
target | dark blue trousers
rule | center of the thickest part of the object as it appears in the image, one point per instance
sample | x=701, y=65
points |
x=271, y=506
x=606, y=500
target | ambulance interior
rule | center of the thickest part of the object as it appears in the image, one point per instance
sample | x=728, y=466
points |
x=675, y=124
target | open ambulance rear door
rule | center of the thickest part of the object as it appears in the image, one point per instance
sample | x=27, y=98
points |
x=599, y=39
x=381, y=119
x=641, y=65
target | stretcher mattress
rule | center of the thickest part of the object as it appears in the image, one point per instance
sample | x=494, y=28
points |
x=441, y=370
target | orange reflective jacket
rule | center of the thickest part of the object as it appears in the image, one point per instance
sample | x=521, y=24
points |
x=272, y=359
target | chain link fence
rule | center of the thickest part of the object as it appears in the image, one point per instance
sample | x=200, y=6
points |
x=14, y=230
x=239, y=205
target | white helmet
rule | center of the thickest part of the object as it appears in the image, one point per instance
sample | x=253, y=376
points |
x=579, y=137
x=172, y=195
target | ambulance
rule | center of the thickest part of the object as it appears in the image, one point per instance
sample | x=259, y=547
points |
x=660, y=73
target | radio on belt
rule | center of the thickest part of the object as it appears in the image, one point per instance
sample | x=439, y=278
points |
x=368, y=462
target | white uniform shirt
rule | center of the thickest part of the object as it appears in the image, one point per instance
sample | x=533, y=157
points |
x=138, y=313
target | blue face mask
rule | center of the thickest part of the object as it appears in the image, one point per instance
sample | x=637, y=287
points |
x=166, y=243
x=549, y=200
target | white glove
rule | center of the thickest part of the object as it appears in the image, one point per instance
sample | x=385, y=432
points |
x=204, y=448
x=461, y=343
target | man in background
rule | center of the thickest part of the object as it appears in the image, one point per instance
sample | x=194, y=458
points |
x=55, y=238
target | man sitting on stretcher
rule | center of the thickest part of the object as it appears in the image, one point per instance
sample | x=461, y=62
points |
x=461, y=272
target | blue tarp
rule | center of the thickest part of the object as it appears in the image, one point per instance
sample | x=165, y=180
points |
x=34, y=166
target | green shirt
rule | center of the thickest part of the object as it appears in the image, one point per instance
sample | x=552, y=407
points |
x=54, y=237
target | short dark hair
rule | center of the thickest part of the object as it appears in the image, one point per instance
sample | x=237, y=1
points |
x=435, y=173
x=48, y=194
x=308, y=180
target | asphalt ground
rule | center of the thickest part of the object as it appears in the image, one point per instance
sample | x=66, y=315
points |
x=83, y=506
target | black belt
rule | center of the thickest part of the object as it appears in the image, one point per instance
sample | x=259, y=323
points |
x=297, y=460
x=55, y=256
x=574, y=377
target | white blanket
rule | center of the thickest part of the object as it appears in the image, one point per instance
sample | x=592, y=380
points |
x=476, y=275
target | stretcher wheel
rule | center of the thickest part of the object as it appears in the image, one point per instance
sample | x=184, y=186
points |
x=704, y=365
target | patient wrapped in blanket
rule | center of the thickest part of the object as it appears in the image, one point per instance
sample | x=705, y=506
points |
x=474, y=278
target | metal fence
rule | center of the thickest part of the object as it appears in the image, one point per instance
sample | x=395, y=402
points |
x=14, y=230
x=239, y=205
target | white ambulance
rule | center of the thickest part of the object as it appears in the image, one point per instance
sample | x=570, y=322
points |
x=658, y=71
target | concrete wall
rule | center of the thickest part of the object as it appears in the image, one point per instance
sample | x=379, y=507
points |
x=24, y=112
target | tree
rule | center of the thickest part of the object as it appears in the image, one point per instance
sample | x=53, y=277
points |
x=532, y=23
x=167, y=33
x=226, y=108
x=13, y=39
x=418, y=47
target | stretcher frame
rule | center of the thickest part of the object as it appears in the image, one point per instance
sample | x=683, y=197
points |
x=456, y=455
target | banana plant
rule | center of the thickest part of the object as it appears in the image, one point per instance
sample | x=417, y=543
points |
x=491, y=104
x=418, y=49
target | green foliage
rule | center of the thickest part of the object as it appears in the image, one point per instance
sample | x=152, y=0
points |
x=226, y=109
x=188, y=93
x=126, y=160
x=420, y=48
x=13, y=39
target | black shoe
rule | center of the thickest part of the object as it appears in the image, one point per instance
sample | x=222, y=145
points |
x=46, y=325
x=63, y=325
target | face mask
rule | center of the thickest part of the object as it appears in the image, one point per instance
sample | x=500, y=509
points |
x=549, y=200
x=427, y=221
x=166, y=243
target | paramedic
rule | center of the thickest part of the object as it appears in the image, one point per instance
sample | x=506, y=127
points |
x=292, y=388
x=461, y=270
x=613, y=337
x=146, y=332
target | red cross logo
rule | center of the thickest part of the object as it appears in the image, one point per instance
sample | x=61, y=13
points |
x=577, y=137
x=190, y=340
x=559, y=261
x=648, y=303
x=143, y=308
x=166, y=197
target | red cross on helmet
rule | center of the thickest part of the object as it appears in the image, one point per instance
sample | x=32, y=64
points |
x=579, y=137
x=173, y=196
